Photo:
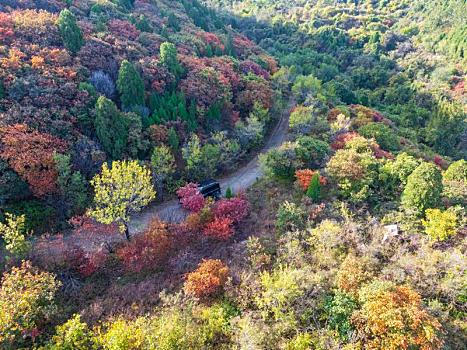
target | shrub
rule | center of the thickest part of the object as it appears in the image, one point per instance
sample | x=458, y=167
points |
x=207, y=280
x=190, y=197
x=383, y=135
x=339, y=309
x=354, y=173
x=279, y=289
x=72, y=335
x=423, y=189
x=30, y=154
x=103, y=83
x=289, y=217
x=14, y=234
x=72, y=186
x=440, y=225
x=305, y=120
x=302, y=341
x=12, y=187
x=39, y=217
x=281, y=162
x=304, y=177
x=121, y=334
x=27, y=302
x=353, y=273
x=312, y=152
x=147, y=251
x=395, y=173
x=235, y=209
x=392, y=317
x=219, y=228
x=457, y=171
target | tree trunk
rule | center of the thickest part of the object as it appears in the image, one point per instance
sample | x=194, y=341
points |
x=127, y=232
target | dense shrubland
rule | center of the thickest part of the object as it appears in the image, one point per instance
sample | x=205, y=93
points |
x=354, y=239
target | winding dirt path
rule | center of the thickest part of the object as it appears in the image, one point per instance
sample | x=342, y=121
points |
x=169, y=211
x=239, y=180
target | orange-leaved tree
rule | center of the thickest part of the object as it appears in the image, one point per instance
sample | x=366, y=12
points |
x=207, y=280
x=30, y=154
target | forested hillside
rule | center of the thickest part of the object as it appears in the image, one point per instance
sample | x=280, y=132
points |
x=353, y=235
x=85, y=82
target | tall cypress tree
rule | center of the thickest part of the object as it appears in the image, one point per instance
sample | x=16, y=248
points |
x=314, y=189
x=69, y=31
x=111, y=127
x=168, y=54
x=130, y=85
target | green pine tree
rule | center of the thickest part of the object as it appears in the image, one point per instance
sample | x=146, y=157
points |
x=130, y=85
x=228, y=193
x=229, y=46
x=314, y=189
x=172, y=139
x=168, y=58
x=111, y=128
x=69, y=31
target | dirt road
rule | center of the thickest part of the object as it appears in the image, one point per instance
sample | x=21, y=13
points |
x=169, y=211
x=239, y=180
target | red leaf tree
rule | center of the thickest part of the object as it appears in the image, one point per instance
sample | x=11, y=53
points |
x=30, y=154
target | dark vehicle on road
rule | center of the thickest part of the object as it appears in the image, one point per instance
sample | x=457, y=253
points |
x=210, y=188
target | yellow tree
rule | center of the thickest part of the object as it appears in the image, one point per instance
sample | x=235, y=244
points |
x=393, y=318
x=120, y=191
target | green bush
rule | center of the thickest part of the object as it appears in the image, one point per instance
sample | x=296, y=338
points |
x=457, y=171
x=312, y=152
x=383, y=134
x=423, y=189
x=281, y=162
x=338, y=309
x=290, y=217
x=39, y=217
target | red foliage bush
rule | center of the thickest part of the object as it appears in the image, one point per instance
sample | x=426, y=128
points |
x=206, y=86
x=30, y=154
x=147, y=251
x=251, y=91
x=235, y=209
x=207, y=280
x=249, y=66
x=220, y=228
x=211, y=39
x=123, y=28
x=6, y=27
x=440, y=162
x=85, y=264
x=243, y=46
x=190, y=197
x=85, y=225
